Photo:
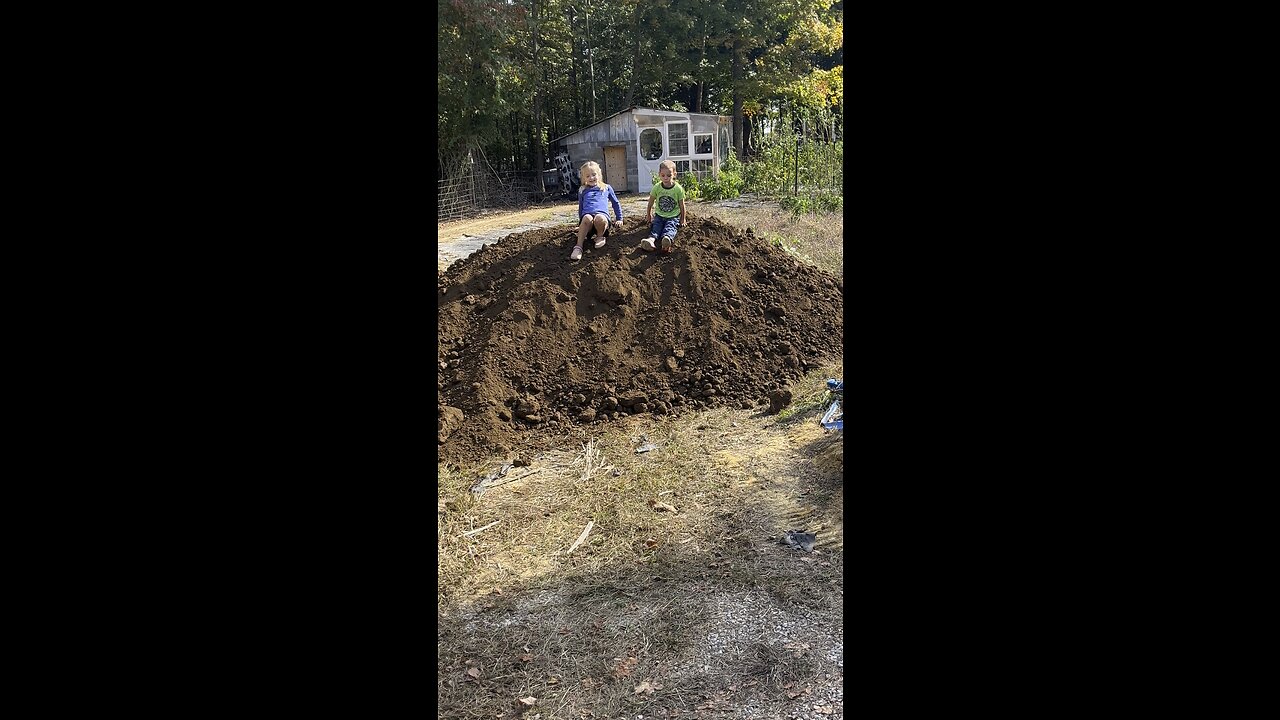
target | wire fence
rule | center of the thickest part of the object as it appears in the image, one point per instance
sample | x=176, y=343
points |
x=782, y=167
x=462, y=196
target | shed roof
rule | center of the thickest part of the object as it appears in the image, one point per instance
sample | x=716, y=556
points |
x=633, y=107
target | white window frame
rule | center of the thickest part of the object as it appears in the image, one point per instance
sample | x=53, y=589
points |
x=666, y=144
x=688, y=124
x=693, y=143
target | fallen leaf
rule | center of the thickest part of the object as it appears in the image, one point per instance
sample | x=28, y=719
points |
x=528, y=701
x=525, y=657
x=553, y=680
x=497, y=591
x=650, y=542
x=823, y=709
x=563, y=631
x=647, y=687
x=624, y=667
x=788, y=686
x=792, y=695
x=474, y=672
x=661, y=506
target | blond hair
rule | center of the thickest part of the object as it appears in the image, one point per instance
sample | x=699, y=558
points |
x=668, y=164
x=582, y=171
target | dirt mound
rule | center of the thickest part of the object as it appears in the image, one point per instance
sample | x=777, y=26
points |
x=531, y=342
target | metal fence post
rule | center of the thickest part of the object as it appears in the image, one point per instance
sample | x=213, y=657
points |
x=797, y=188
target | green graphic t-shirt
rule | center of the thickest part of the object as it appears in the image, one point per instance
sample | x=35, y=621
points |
x=668, y=200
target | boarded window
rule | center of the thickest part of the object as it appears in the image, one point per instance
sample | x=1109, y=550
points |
x=651, y=144
x=679, y=133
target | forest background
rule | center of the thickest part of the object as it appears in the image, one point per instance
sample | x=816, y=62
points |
x=515, y=74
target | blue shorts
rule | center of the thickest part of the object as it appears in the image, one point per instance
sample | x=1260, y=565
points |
x=664, y=227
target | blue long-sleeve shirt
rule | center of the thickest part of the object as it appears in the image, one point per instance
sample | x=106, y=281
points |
x=595, y=200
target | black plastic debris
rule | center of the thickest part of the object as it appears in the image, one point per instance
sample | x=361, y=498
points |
x=799, y=539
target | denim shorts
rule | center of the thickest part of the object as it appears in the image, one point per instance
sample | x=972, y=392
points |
x=664, y=227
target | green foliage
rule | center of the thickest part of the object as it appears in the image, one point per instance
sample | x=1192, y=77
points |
x=496, y=89
x=725, y=184
x=820, y=202
x=690, y=184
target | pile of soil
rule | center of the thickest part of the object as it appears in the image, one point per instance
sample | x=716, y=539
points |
x=531, y=342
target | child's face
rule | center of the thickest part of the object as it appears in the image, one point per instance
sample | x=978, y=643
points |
x=589, y=176
x=665, y=174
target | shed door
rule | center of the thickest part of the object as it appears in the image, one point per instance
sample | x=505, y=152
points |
x=615, y=168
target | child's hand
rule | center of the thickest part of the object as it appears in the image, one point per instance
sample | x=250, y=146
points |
x=649, y=217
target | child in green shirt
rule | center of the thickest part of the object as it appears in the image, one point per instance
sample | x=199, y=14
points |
x=669, y=196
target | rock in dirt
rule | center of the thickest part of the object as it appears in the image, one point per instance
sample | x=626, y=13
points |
x=450, y=420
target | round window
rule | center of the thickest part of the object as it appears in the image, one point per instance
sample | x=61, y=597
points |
x=650, y=144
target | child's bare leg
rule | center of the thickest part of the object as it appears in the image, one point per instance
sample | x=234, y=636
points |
x=602, y=223
x=585, y=224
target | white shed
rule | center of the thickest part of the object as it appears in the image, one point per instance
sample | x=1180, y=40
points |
x=630, y=144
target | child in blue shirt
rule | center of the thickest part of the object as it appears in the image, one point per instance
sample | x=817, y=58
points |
x=594, y=198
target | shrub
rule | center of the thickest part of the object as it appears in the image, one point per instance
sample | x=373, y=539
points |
x=691, y=189
x=725, y=184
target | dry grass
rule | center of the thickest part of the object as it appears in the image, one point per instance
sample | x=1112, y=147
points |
x=581, y=631
x=816, y=238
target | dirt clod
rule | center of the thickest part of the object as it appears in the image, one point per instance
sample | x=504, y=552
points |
x=779, y=399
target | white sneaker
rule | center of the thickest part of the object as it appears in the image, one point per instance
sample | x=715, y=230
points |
x=647, y=245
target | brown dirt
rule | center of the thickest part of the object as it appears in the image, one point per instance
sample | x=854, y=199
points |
x=532, y=344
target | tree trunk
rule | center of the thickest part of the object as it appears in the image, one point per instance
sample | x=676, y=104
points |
x=635, y=60
x=697, y=99
x=573, y=69
x=591, y=66
x=535, y=138
x=737, y=100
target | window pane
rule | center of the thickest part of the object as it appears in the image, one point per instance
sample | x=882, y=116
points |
x=679, y=135
x=682, y=166
x=651, y=144
x=702, y=144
